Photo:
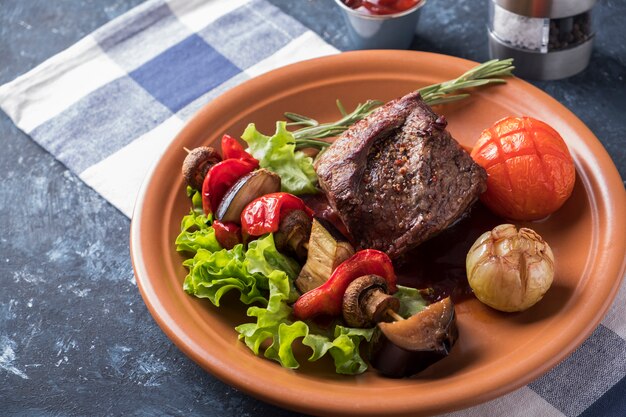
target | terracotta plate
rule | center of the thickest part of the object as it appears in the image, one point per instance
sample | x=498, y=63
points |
x=496, y=353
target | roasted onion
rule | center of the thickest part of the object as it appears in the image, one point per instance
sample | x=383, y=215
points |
x=510, y=270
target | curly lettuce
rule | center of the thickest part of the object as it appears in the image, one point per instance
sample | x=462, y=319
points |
x=196, y=233
x=274, y=326
x=278, y=154
x=214, y=271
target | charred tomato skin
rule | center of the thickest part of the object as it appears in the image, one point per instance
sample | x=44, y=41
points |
x=530, y=172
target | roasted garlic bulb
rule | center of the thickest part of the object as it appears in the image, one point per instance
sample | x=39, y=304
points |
x=510, y=270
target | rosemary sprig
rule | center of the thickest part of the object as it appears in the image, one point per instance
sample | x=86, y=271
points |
x=308, y=136
x=486, y=73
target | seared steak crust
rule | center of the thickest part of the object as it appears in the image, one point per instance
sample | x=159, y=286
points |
x=397, y=177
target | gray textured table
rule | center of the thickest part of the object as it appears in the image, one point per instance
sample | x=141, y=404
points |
x=75, y=336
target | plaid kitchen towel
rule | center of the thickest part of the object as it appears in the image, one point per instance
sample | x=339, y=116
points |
x=127, y=89
x=108, y=106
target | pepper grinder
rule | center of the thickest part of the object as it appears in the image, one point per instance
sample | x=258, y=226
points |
x=548, y=39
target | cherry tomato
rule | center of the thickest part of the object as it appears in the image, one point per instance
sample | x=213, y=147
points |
x=530, y=172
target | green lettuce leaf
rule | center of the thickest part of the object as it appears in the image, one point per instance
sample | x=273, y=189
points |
x=411, y=301
x=254, y=272
x=215, y=271
x=213, y=274
x=196, y=233
x=278, y=154
x=343, y=347
x=196, y=199
x=269, y=319
x=263, y=258
x=273, y=325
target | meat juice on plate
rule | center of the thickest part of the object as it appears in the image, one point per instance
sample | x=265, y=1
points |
x=438, y=263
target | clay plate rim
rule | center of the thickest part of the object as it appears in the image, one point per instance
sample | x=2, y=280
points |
x=371, y=396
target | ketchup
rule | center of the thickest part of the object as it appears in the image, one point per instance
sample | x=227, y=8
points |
x=381, y=7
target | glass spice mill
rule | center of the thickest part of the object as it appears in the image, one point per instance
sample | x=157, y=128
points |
x=548, y=39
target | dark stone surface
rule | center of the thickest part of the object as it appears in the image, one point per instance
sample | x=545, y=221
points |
x=75, y=336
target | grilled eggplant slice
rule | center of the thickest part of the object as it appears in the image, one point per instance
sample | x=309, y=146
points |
x=406, y=347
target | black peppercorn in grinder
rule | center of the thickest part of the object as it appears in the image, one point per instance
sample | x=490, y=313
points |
x=548, y=39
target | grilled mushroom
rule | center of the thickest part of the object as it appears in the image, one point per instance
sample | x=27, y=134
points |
x=293, y=234
x=197, y=163
x=366, y=302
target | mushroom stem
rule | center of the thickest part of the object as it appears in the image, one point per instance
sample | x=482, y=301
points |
x=394, y=315
x=186, y=150
x=366, y=301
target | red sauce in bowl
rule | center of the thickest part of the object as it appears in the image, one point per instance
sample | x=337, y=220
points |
x=381, y=7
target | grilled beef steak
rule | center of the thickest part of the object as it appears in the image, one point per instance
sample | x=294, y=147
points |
x=397, y=177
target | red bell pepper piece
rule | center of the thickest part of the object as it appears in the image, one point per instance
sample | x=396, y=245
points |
x=219, y=179
x=328, y=297
x=264, y=214
x=227, y=234
x=232, y=149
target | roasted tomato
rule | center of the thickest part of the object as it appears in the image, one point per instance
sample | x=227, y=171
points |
x=530, y=170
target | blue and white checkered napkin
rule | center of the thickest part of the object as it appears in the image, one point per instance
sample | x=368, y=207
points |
x=128, y=88
x=109, y=105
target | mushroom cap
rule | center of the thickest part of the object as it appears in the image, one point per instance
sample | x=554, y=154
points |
x=197, y=163
x=366, y=300
x=293, y=233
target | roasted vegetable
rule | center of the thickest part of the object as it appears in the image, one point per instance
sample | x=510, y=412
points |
x=366, y=302
x=197, y=163
x=248, y=188
x=264, y=214
x=231, y=149
x=327, y=298
x=327, y=249
x=405, y=347
x=510, y=270
x=220, y=178
x=227, y=234
x=278, y=154
x=293, y=234
x=530, y=172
